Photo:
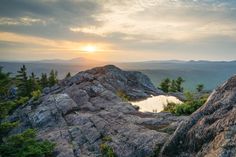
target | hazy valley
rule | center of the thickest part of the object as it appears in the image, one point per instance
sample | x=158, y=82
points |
x=209, y=73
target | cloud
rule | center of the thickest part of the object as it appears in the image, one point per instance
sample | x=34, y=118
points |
x=150, y=20
x=88, y=30
x=142, y=26
x=64, y=13
x=168, y=19
x=20, y=21
x=47, y=43
x=49, y=18
x=45, y=8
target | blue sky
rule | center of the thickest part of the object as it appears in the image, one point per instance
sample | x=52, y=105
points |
x=118, y=30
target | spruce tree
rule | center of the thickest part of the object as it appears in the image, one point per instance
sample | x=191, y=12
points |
x=5, y=83
x=173, y=86
x=52, y=78
x=165, y=85
x=200, y=87
x=44, y=80
x=22, y=82
x=33, y=83
x=179, y=82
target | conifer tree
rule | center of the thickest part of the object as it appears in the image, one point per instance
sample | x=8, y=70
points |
x=5, y=82
x=68, y=75
x=179, y=82
x=33, y=83
x=165, y=85
x=22, y=80
x=200, y=87
x=52, y=78
x=44, y=80
x=173, y=86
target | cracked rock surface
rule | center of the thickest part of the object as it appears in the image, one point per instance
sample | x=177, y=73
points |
x=82, y=111
x=211, y=130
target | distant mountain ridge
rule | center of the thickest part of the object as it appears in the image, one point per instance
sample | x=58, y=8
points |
x=210, y=73
x=84, y=59
x=79, y=60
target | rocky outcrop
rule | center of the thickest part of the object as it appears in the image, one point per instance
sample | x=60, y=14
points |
x=210, y=131
x=133, y=84
x=84, y=111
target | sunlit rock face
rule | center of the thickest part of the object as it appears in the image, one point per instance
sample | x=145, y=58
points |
x=155, y=103
x=79, y=112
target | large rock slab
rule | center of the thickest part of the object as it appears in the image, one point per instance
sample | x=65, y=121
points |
x=210, y=131
x=84, y=111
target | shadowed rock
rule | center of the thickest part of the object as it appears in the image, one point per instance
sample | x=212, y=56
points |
x=211, y=130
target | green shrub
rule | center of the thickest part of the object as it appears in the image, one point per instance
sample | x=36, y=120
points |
x=5, y=127
x=22, y=101
x=189, y=96
x=106, y=150
x=9, y=106
x=36, y=94
x=6, y=107
x=170, y=107
x=26, y=145
x=123, y=95
x=188, y=107
x=183, y=109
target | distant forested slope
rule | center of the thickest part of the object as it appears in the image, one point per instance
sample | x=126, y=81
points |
x=211, y=74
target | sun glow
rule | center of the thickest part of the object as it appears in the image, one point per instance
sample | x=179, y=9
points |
x=90, y=49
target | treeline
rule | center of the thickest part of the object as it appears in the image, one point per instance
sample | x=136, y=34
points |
x=27, y=84
x=14, y=92
x=18, y=89
x=169, y=85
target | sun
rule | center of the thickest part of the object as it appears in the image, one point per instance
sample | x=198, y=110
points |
x=90, y=49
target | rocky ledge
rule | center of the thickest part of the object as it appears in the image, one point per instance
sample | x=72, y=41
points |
x=210, y=131
x=85, y=111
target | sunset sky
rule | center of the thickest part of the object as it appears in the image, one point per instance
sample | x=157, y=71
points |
x=118, y=30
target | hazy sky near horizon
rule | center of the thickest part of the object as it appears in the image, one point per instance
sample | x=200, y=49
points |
x=118, y=30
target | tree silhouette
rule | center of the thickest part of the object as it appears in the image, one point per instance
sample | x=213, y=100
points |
x=68, y=75
x=44, y=80
x=22, y=82
x=165, y=85
x=200, y=87
x=5, y=83
x=52, y=78
x=179, y=81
